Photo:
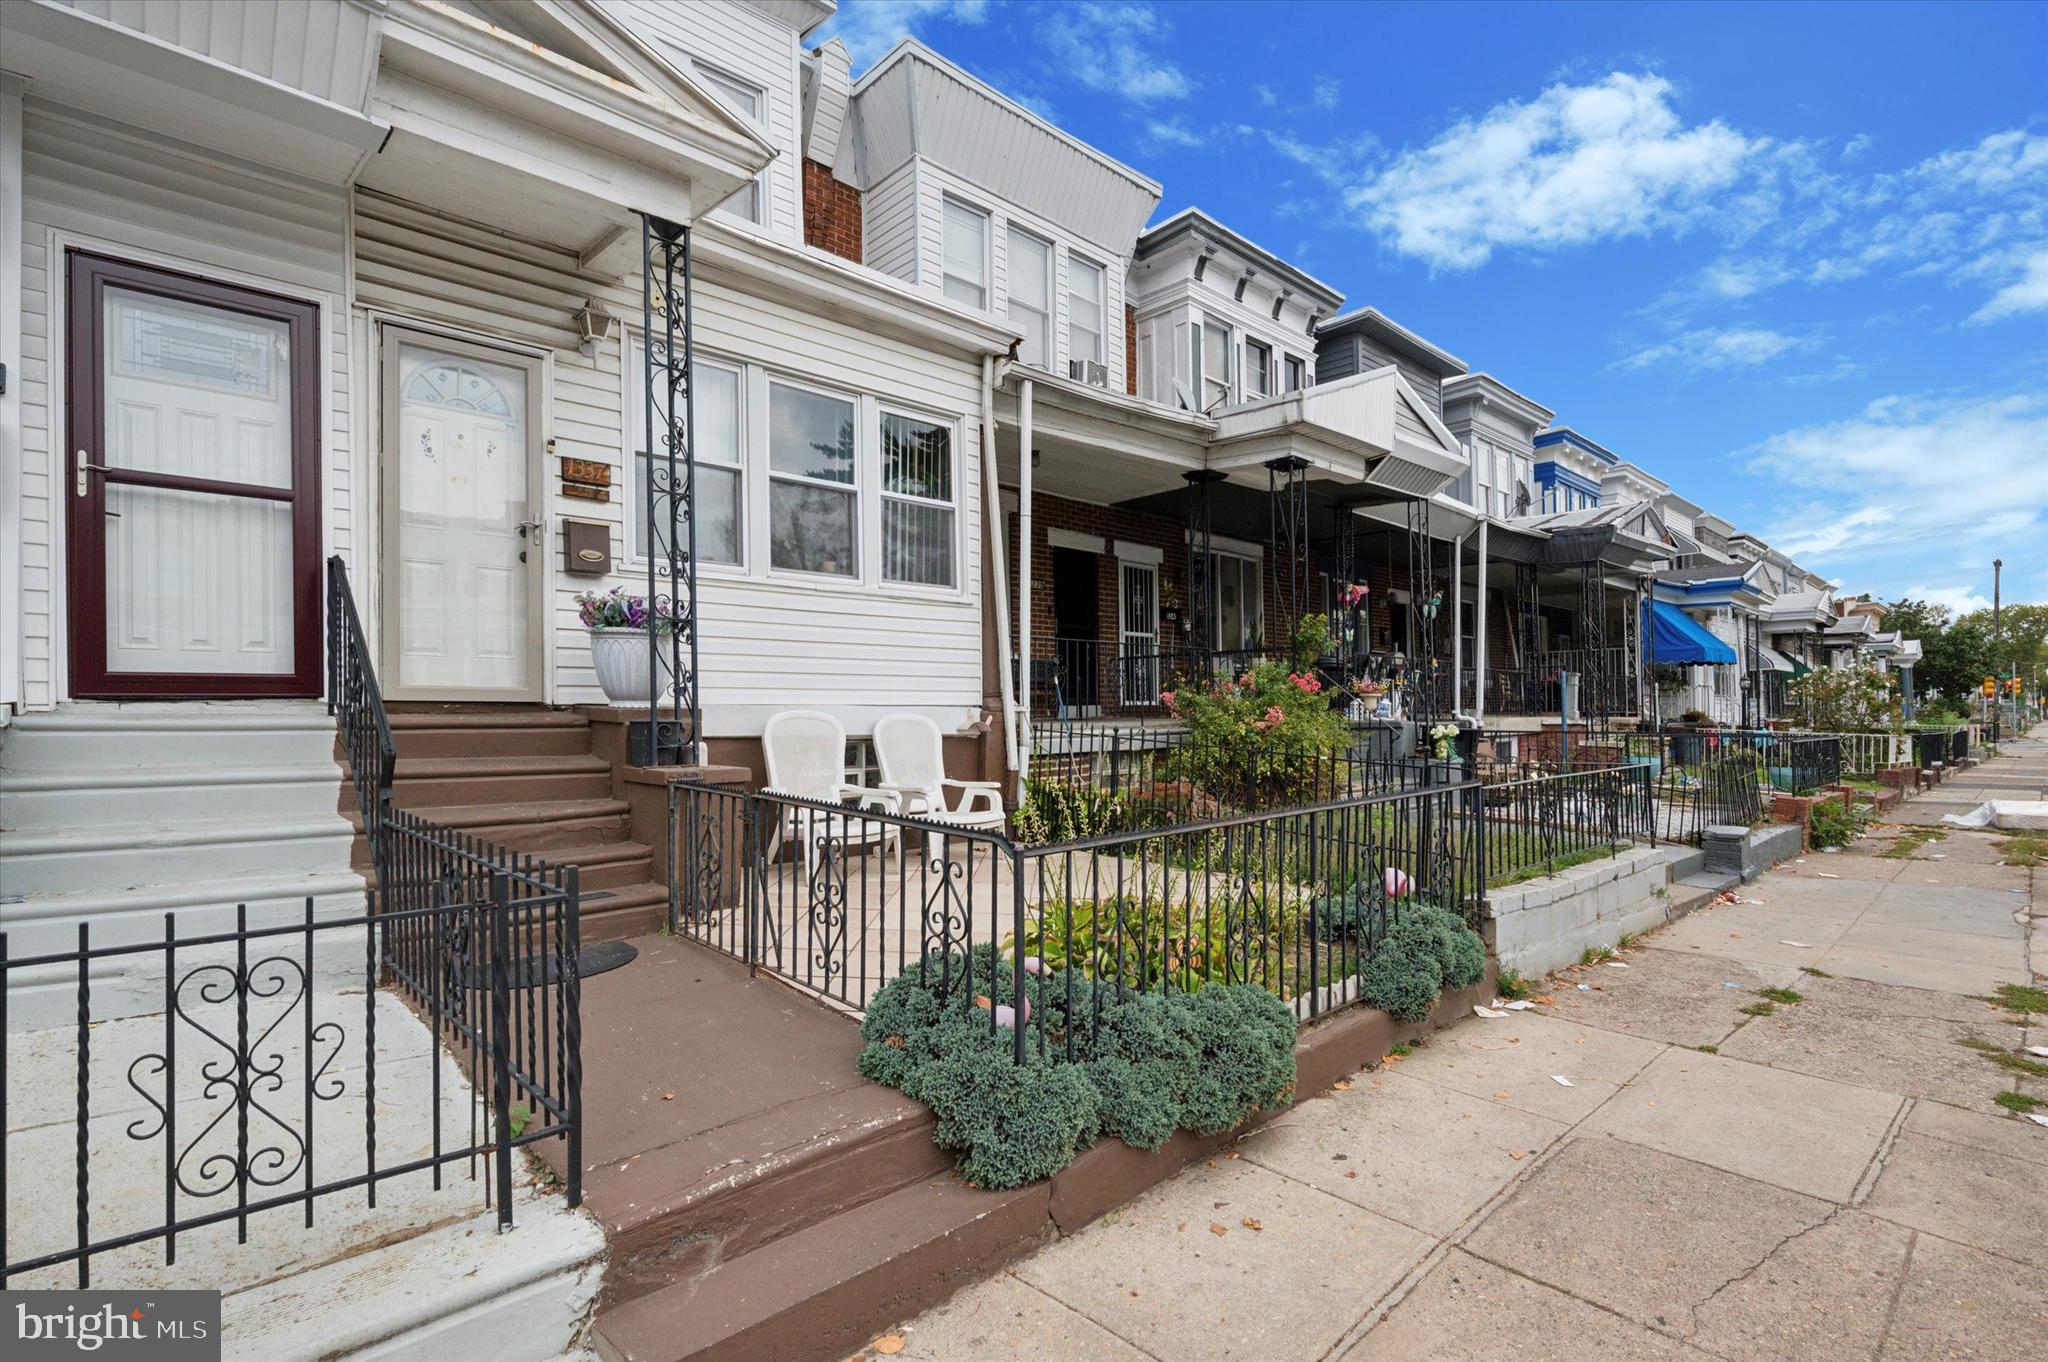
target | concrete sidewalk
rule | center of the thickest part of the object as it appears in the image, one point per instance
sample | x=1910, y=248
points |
x=1657, y=1163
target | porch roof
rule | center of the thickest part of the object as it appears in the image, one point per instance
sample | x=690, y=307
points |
x=1675, y=637
x=1371, y=430
x=1801, y=607
x=1774, y=660
x=561, y=138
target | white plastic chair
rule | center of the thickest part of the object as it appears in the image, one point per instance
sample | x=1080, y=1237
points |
x=911, y=753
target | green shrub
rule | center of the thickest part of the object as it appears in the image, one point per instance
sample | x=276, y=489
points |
x=1404, y=977
x=1010, y=1123
x=1054, y=811
x=1144, y=1065
x=1265, y=737
x=1834, y=823
x=1459, y=952
x=1246, y=1038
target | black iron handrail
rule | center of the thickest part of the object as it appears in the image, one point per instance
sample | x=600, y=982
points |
x=357, y=703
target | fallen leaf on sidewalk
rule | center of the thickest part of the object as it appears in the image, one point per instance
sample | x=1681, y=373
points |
x=1352, y=1173
x=1547, y=1000
x=668, y=1097
x=1515, y=1154
x=1500, y=1097
x=1252, y=1224
x=889, y=1344
x=1341, y=1085
x=1218, y=1228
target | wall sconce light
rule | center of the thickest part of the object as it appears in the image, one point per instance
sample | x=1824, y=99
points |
x=594, y=325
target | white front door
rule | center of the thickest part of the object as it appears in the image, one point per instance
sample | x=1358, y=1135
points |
x=463, y=557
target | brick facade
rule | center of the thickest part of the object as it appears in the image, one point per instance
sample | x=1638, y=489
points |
x=831, y=212
x=1130, y=350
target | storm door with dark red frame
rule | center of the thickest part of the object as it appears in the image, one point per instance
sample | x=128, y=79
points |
x=192, y=476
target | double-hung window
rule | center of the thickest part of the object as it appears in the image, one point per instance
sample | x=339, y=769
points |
x=751, y=103
x=1029, y=306
x=716, y=495
x=965, y=267
x=1240, y=602
x=1297, y=374
x=1213, y=355
x=1258, y=369
x=919, y=544
x=1085, y=301
x=813, y=493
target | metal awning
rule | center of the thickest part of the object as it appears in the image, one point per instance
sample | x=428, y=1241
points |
x=1775, y=661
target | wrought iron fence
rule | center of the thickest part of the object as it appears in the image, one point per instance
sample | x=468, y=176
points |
x=839, y=900
x=1540, y=824
x=357, y=703
x=257, y=1087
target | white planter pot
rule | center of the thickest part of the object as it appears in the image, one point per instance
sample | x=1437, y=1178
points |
x=620, y=657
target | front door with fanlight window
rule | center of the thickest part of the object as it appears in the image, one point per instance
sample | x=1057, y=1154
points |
x=464, y=562
x=193, y=546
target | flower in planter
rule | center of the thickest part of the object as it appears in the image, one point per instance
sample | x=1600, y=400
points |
x=618, y=609
x=1441, y=737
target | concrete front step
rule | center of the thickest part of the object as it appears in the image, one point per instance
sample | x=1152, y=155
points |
x=95, y=735
x=82, y=796
x=1697, y=889
x=124, y=856
x=827, y=1289
x=461, y=1291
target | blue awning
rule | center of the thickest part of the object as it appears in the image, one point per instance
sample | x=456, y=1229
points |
x=1676, y=637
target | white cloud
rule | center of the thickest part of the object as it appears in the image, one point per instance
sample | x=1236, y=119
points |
x=1911, y=483
x=871, y=27
x=1323, y=94
x=1735, y=348
x=2027, y=294
x=1106, y=47
x=1164, y=133
x=1857, y=147
x=1576, y=164
x=1264, y=94
x=1960, y=599
x=2000, y=161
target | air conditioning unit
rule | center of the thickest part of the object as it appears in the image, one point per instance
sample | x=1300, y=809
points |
x=1088, y=371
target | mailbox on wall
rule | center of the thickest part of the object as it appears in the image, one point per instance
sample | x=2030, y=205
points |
x=586, y=548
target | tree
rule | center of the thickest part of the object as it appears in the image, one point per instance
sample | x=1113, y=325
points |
x=1954, y=661
x=2021, y=643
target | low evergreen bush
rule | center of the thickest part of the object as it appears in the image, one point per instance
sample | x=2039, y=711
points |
x=1158, y=1062
x=1429, y=950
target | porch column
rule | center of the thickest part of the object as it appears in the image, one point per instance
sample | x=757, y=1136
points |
x=1457, y=621
x=1479, y=637
x=1024, y=569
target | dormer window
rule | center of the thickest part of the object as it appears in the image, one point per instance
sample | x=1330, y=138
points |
x=1085, y=302
x=1029, y=305
x=751, y=103
x=966, y=255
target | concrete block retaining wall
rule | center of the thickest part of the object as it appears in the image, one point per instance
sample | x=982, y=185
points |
x=1540, y=925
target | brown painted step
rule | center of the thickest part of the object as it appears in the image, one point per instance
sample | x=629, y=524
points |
x=623, y=913
x=490, y=733
x=428, y=782
x=827, y=1290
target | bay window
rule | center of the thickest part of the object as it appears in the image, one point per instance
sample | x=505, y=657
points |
x=1258, y=369
x=965, y=267
x=918, y=541
x=1212, y=363
x=717, y=493
x=813, y=499
x=1029, y=304
x=1085, y=300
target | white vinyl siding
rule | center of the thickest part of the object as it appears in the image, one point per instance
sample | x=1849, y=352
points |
x=888, y=225
x=1029, y=304
x=966, y=264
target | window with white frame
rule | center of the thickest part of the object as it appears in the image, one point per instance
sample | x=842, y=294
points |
x=717, y=493
x=813, y=493
x=1029, y=304
x=965, y=267
x=751, y=103
x=919, y=544
x=1085, y=302
x=1212, y=362
x=1258, y=369
x=1297, y=374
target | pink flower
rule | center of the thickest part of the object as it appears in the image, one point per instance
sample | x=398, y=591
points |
x=1166, y=698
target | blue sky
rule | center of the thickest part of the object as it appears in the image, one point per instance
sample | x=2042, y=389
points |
x=1792, y=259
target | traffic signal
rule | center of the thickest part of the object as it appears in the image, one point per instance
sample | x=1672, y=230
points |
x=1990, y=686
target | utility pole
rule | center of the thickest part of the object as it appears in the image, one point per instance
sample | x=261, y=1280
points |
x=1997, y=648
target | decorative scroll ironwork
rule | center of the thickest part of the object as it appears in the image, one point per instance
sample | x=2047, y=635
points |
x=1595, y=682
x=1201, y=588
x=1425, y=661
x=1287, y=498
x=669, y=498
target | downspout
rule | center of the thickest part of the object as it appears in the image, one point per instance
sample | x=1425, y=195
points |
x=1024, y=572
x=1479, y=638
x=992, y=509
